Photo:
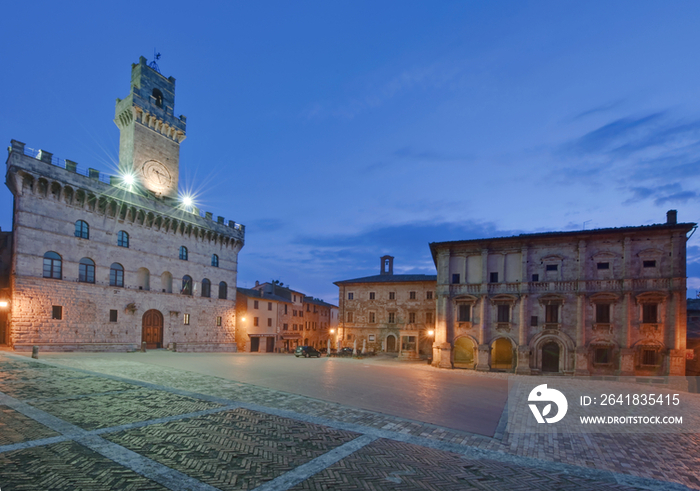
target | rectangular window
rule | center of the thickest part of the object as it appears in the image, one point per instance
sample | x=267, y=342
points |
x=349, y=337
x=57, y=312
x=371, y=295
x=464, y=313
x=504, y=313
x=256, y=321
x=285, y=327
x=602, y=313
x=218, y=320
x=533, y=321
x=269, y=322
x=603, y=265
x=349, y=316
x=535, y=278
x=255, y=304
x=186, y=319
x=649, y=357
x=411, y=317
x=493, y=278
x=372, y=318
x=428, y=317
x=552, y=267
x=269, y=305
x=649, y=313
x=112, y=316
x=371, y=338
x=285, y=309
x=412, y=295
x=428, y=295
x=552, y=314
x=455, y=278
x=294, y=327
x=351, y=296
x=301, y=313
x=392, y=318
x=392, y=295
x=602, y=356
x=294, y=313
x=649, y=264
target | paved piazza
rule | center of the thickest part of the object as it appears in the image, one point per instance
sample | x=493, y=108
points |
x=182, y=421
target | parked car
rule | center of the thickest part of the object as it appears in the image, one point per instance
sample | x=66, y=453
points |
x=345, y=352
x=307, y=352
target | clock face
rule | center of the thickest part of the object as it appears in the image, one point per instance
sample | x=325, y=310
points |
x=156, y=176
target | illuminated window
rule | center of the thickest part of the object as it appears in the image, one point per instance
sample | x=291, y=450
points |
x=186, y=319
x=218, y=321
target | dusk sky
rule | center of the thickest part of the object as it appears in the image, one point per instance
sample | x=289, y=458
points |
x=338, y=132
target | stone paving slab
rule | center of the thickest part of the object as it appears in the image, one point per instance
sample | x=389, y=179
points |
x=390, y=465
x=68, y=387
x=103, y=411
x=17, y=428
x=237, y=449
x=67, y=466
x=230, y=446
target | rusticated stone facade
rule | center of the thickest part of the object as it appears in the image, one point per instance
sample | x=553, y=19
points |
x=102, y=264
x=393, y=313
x=606, y=301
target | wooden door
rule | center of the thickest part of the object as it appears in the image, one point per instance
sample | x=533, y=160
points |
x=550, y=357
x=3, y=328
x=152, y=332
x=254, y=344
x=270, y=344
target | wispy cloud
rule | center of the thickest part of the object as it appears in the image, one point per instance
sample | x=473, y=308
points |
x=597, y=110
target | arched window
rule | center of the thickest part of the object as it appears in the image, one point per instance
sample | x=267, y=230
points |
x=223, y=290
x=52, y=265
x=158, y=97
x=183, y=253
x=122, y=239
x=206, y=288
x=186, y=285
x=166, y=282
x=215, y=260
x=82, y=229
x=86, y=270
x=116, y=275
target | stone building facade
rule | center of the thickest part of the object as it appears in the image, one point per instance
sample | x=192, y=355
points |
x=274, y=318
x=393, y=313
x=605, y=301
x=108, y=262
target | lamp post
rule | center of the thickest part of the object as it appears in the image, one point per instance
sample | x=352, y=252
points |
x=431, y=336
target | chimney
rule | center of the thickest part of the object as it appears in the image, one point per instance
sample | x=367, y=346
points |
x=671, y=217
x=387, y=265
x=257, y=283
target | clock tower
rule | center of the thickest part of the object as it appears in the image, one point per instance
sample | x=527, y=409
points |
x=150, y=134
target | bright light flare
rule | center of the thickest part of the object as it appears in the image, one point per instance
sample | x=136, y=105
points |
x=3, y=304
x=430, y=333
x=187, y=202
x=128, y=179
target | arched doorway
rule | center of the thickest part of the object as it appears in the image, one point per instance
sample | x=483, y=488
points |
x=550, y=357
x=464, y=353
x=502, y=354
x=391, y=344
x=152, y=332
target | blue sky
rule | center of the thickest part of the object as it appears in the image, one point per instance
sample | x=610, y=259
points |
x=342, y=131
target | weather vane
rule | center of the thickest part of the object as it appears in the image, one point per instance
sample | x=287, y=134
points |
x=156, y=57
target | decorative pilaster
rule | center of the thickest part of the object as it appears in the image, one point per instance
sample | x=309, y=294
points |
x=483, y=355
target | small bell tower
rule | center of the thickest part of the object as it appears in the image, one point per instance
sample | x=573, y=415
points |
x=150, y=134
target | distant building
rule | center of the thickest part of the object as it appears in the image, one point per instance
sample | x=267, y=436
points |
x=275, y=318
x=393, y=313
x=693, y=313
x=605, y=301
x=110, y=262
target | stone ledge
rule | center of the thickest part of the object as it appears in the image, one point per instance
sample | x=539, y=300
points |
x=204, y=347
x=93, y=347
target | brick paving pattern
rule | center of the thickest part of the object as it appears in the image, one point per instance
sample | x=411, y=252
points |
x=282, y=441
x=390, y=465
x=237, y=449
x=66, y=466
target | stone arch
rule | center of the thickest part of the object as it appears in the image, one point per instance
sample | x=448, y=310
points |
x=166, y=282
x=91, y=202
x=465, y=352
x=42, y=187
x=567, y=349
x=112, y=209
x=102, y=206
x=68, y=195
x=28, y=182
x=140, y=217
x=80, y=198
x=150, y=218
x=503, y=353
x=143, y=278
x=55, y=190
